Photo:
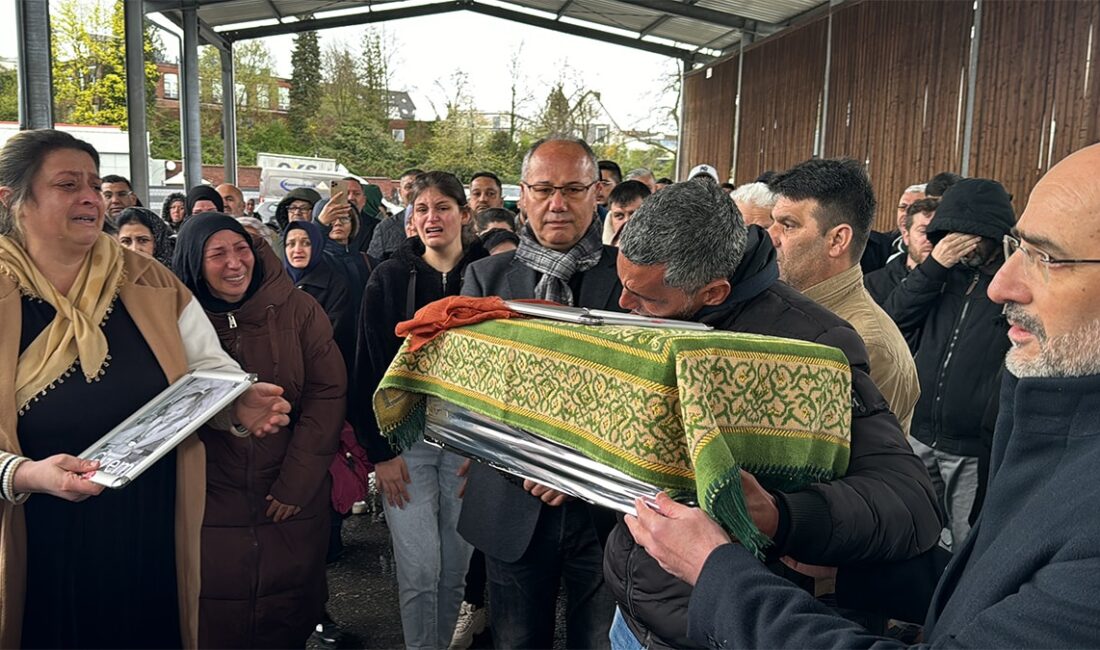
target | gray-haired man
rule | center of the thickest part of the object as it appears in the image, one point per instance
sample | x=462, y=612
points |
x=536, y=540
x=687, y=254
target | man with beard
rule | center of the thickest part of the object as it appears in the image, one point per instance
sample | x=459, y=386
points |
x=822, y=218
x=913, y=227
x=960, y=340
x=687, y=254
x=1028, y=574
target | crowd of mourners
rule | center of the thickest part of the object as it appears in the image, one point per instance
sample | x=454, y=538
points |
x=972, y=336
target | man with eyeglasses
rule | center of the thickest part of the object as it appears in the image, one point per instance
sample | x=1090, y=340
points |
x=118, y=195
x=534, y=538
x=960, y=341
x=297, y=205
x=1028, y=575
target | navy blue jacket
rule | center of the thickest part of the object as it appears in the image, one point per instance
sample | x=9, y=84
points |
x=1027, y=576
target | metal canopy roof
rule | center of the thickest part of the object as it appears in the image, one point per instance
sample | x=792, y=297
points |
x=696, y=31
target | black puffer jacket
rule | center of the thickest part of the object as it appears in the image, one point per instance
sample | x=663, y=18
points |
x=396, y=289
x=962, y=336
x=884, y=508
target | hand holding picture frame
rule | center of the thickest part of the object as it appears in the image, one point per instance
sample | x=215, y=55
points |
x=163, y=423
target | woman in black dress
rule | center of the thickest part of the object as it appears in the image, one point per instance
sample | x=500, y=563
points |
x=89, y=332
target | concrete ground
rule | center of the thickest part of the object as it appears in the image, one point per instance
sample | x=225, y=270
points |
x=362, y=586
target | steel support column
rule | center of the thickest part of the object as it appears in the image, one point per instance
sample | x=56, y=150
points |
x=737, y=110
x=134, y=15
x=32, y=19
x=971, y=88
x=189, y=100
x=229, y=115
x=685, y=66
x=819, y=150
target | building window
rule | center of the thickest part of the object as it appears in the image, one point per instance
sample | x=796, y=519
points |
x=601, y=133
x=242, y=94
x=171, y=85
x=262, y=99
x=216, y=89
x=284, y=98
x=398, y=135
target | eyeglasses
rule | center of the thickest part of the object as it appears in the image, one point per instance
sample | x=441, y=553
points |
x=572, y=191
x=122, y=194
x=1037, y=258
x=343, y=220
x=300, y=209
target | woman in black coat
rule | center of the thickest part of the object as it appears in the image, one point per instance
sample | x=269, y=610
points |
x=311, y=272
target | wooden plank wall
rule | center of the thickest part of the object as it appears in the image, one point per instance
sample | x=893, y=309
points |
x=896, y=92
x=1032, y=85
x=781, y=90
x=1038, y=63
x=708, y=123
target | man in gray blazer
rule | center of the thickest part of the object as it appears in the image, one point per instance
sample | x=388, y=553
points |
x=535, y=538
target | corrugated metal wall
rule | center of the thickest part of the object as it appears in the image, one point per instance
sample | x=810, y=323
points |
x=1037, y=99
x=897, y=93
x=779, y=109
x=708, y=117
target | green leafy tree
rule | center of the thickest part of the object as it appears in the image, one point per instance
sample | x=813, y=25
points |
x=89, y=63
x=9, y=95
x=305, y=82
x=351, y=125
x=254, y=98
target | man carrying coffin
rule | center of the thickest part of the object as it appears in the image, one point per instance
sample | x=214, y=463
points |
x=688, y=255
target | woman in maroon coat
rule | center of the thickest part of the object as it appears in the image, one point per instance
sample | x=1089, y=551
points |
x=265, y=530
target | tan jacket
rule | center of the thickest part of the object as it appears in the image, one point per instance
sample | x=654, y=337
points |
x=892, y=366
x=162, y=308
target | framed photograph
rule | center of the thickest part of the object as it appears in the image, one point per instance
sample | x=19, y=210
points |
x=164, y=422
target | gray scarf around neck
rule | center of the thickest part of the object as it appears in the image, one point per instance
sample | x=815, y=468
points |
x=558, y=268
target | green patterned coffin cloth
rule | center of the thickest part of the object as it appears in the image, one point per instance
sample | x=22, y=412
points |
x=684, y=411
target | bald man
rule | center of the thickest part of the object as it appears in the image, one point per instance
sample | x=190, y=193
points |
x=233, y=199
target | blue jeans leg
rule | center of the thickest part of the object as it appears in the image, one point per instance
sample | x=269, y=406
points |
x=429, y=552
x=621, y=636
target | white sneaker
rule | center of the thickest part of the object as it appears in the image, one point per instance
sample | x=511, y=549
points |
x=359, y=508
x=471, y=622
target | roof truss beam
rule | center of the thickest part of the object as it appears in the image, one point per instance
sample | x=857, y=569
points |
x=693, y=12
x=367, y=17
x=587, y=32
x=458, y=5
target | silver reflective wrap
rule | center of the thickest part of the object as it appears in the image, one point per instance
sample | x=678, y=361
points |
x=527, y=456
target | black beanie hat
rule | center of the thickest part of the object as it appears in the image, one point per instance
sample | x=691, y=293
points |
x=973, y=206
x=200, y=192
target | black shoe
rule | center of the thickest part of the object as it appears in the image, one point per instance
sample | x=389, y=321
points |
x=328, y=635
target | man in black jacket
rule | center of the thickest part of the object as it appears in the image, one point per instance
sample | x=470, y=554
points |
x=687, y=254
x=914, y=237
x=1028, y=574
x=960, y=339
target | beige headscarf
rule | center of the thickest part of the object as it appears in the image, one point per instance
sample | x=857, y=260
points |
x=75, y=332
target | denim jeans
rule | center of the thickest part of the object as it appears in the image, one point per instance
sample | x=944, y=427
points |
x=431, y=556
x=565, y=551
x=621, y=636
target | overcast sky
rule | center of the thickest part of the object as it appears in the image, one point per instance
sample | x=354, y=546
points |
x=428, y=50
